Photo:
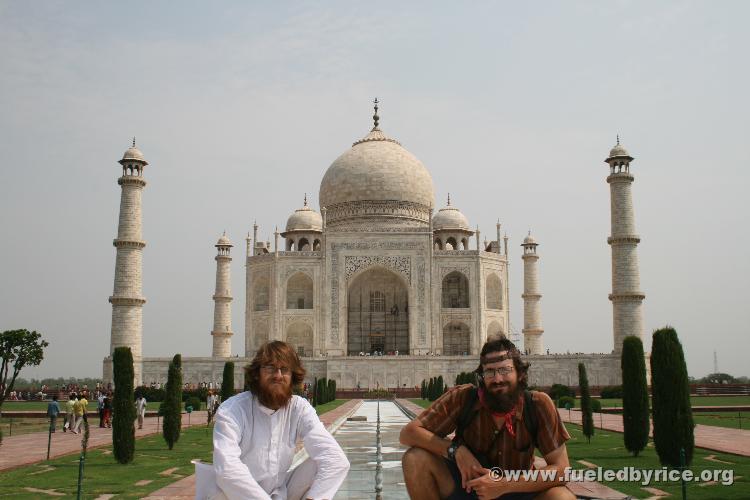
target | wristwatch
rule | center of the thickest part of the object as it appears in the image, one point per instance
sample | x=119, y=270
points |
x=452, y=451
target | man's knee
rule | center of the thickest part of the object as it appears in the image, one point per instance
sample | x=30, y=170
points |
x=557, y=493
x=415, y=458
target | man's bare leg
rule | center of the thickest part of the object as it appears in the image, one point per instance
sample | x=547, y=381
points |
x=426, y=475
x=556, y=493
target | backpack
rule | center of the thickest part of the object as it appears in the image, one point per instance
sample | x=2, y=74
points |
x=468, y=413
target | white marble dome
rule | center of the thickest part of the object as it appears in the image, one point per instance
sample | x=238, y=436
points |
x=133, y=154
x=529, y=240
x=450, y=218
x=618, y=150
x=224, y=241
x=376, y=168
x=304, y=219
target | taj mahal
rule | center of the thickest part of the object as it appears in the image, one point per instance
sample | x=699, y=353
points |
x=377, y=288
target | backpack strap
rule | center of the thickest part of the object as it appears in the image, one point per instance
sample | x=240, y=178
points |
x=530, y=417
x=467, y=415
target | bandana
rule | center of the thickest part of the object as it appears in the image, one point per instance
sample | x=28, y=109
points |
x=507, y=417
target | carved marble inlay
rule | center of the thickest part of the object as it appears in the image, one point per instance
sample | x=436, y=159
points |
x=398, y=263
x=445, y=271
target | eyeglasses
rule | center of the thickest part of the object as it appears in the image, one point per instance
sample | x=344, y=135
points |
x=491, y=372
x=271, y=370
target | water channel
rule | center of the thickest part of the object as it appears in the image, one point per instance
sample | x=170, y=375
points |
x=358, y=440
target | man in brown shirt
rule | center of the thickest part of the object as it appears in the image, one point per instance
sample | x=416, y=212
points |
x=495, y=435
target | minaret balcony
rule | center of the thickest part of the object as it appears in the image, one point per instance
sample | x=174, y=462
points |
x=627, y=297
x=131, y=180
x=127, y=301
x=624, y=239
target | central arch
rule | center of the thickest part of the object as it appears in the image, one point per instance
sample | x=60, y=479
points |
x=377, y=313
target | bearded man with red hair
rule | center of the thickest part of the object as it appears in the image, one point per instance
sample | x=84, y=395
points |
x=256, y=434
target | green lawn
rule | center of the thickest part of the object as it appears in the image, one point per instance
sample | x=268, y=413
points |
x=321, y=409
x=606, y=450
x=730, y=419
x=42, y=405
x=424, y=403
x=103, y=475
x=695, y=401
x=18, y=426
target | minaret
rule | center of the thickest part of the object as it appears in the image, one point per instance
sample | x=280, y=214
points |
x=626, y=293
x=127, y=300
x=532, y=313
x=222, y=332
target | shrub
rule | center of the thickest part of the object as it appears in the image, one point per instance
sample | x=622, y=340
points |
x=559, y=390
x=596, y=405
x=611, y=392
x=200, y=393
x=379, y=394
x=150, y=393
x=123, y=406
x=194, y=402
x=566, y=399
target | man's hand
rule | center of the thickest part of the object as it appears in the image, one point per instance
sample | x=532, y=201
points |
x=487, y=487
x=468, y=465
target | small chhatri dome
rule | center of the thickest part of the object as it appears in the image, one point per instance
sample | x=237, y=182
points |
x=376, y=169
x=529, y=240
x=304, y=219
x=450, y=218
x=224, y=241
x=619, y=151
x=133, y=154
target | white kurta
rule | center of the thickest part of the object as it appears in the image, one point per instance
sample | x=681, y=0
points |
x=254, y=447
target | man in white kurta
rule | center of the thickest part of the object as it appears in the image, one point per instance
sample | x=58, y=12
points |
x=254, y=445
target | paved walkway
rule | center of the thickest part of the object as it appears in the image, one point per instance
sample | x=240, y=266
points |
x=27, y=449
x=724, y=439
x=184, y=489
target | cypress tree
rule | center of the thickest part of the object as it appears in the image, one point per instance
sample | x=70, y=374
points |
x=227, y=381
x=422, y=390
x=331, y=390
x=313, y=392
x=172, y=402
x=586, y=414
x=635, y=413
x=431, y=389
x=672, y=413
x=320, y=391
x=440, y=386
x=123, y=405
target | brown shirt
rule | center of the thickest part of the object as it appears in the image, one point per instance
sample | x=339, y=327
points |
x=482, y=436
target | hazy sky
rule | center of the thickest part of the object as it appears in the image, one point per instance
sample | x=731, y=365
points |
x=240, y=108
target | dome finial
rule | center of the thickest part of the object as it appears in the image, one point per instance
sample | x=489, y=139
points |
x=133, y=141
x=449, y=199
x=375, y=117
x=305, y=199
x=618, y=139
